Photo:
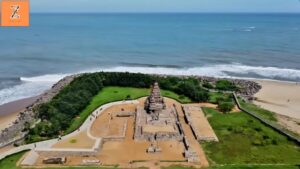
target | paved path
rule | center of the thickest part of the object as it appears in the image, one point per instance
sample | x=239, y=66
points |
x=49, y=143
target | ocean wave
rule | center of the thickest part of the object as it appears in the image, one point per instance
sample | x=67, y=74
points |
x=44, y=78
x=32, y=86
x=23, y=90
x=28, y=87
x=221, y=70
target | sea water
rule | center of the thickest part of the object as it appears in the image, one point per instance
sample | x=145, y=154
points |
x=32, y=58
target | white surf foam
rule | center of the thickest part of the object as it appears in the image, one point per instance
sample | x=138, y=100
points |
x=32, y=86
x=222, y=70
x=44, y=78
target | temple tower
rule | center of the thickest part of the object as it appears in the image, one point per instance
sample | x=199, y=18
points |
x=155, y=103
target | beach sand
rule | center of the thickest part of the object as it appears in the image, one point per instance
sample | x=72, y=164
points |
x=9, y=111
x=282, y=98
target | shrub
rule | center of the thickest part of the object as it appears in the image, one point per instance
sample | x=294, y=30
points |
x=257, y=142
x=225, y=85
x=208, y=85
x=225, y=106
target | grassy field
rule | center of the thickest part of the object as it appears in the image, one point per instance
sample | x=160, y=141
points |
x=111, y=94
x=266, y=114
x=245, y=140
x=242, y=167
x=215, y=96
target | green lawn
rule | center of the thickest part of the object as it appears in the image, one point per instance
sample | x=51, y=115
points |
x=241, y=167
x=111, y=94
x=214, y=96
x=10, y=161
x=245, y=140
x=266, y=114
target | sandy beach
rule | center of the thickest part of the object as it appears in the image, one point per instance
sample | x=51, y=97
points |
x=283, y=98
x=280, y=97
x=10, y=111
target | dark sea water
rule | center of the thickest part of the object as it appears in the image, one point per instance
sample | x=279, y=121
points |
x=224, y=45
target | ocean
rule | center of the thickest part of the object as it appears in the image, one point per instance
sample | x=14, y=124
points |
x=264, y=46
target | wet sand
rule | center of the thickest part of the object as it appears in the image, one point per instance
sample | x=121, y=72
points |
x=9, y=111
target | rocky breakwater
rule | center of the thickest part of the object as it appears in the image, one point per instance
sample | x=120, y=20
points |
x=246, y=88
x=16, y=131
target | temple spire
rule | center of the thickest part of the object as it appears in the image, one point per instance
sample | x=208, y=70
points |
x=155, y=102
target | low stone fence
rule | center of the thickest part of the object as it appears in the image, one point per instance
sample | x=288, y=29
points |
x=266, y=122
x=66, y=152
x=189, y=121
x=195, y=130
x=71, y=151
x=113, y=138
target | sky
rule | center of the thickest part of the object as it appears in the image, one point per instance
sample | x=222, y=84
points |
x=104, y=6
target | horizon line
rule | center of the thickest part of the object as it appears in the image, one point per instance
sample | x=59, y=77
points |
x=175, y=12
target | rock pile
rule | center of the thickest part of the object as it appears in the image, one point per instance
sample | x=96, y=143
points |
x=247, y=88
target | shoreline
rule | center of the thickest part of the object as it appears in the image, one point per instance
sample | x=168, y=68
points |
x=9, y=111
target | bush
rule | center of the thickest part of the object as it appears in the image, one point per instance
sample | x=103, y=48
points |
x=225, y=85
x=225, y=106
x=192, y=90
x=208, y=85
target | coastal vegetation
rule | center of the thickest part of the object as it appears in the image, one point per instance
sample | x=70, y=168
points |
x=67, y=111
x=224, y=101
x=225, y=85
x=266, y=114
x=245, y=140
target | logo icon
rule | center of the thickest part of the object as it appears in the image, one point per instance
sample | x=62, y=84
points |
x=15, y=13
x=15, y=10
